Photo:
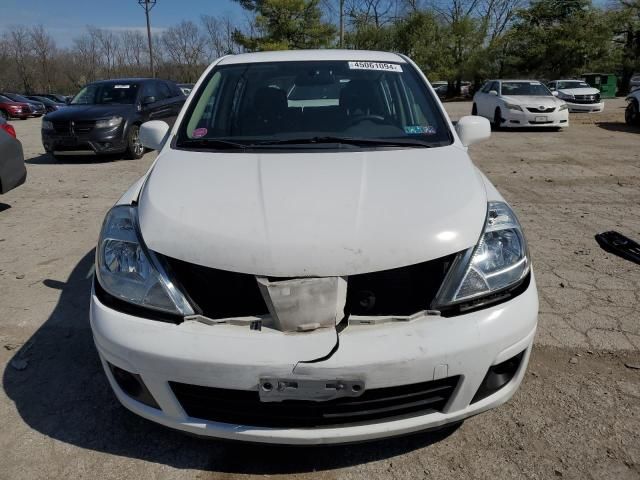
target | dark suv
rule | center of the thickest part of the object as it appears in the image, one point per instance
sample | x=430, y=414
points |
x=105, y=117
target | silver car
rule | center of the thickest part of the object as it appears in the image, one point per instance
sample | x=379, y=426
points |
x=12, y=170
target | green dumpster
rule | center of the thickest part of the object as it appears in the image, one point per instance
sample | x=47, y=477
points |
x=607, y=83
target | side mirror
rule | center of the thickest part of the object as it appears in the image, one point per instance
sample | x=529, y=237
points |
x=68, y=100
x=493, y=92
x=153, y=134
x=148, y=100
x=554, y=93
x=473, y=129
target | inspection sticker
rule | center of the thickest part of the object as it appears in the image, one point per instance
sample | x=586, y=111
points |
x=388, y=67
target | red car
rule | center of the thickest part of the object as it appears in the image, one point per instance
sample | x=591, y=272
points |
x=10, y=109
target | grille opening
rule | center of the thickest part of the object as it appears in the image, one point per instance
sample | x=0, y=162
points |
x=219, y=293
x=399, y=291
x=244, y=407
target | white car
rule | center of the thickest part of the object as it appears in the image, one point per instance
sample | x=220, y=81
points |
x=306, y=274
x=632, y=112
x=520, y=103
x=579, y=95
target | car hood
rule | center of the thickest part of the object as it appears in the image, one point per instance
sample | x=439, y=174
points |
x=88, y=112
x=533, y=100
x=580, y=91
x=312, y=214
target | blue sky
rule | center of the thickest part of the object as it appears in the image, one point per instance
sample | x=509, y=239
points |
x=65, y=19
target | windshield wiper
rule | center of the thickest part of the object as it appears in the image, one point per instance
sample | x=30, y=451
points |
x=212, y=143
x=403, y=142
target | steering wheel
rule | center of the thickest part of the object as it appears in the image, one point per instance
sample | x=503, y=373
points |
x=379, y=119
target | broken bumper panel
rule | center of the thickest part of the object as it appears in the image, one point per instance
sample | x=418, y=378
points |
x=383, y=357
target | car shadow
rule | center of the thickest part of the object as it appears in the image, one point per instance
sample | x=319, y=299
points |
x=59, y=389
x=48, y=159
x=4, y=206
x=618, y=127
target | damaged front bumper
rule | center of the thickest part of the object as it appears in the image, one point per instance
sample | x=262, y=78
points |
x=450, y=357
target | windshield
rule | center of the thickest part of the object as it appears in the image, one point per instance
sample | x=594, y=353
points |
x=355, y=104
x=17, y=98
x=107, y=94
x=573, y=84
x=525, y=88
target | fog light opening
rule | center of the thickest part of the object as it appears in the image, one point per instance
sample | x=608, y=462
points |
x=498, y=376
x=132, y=385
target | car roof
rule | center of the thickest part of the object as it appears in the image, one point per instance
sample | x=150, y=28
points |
x=311, y=55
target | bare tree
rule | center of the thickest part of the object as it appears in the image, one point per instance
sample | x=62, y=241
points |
x=18, y=43
x=44, y=49
x=185, y=46
x=219, y=34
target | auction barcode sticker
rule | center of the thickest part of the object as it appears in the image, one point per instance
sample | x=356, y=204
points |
x=388, y=67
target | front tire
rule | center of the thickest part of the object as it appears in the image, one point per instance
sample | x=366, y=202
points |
x=4, y=115
x=135, y=149
x=632, y=114
x=497, y=119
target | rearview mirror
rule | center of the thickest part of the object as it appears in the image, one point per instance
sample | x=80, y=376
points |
x=148, y=100
x=493, y=92
x=473, y=129
x=153, y=134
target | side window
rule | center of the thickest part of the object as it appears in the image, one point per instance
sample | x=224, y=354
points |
x=151, y=90
x=486, y=87
x=163, y=88
x=495, y=86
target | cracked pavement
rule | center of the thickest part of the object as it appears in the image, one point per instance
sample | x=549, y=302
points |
x=576, y=415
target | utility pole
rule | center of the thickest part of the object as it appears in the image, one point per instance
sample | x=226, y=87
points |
x=148, y=5
x=341, y=23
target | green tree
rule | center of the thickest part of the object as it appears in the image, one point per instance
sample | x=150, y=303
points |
x=560, y=38
x=285, y=24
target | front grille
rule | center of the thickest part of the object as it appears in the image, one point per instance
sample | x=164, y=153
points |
x=244, y=407
x=399, y=291
x=61, y=127
x=541, y=110
x=586, y=99
x=82, y=126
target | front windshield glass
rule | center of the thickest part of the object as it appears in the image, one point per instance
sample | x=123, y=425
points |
x=525, y=88
x=18, y=98
x=107, y=94
x=573, y=84
x=322, y=103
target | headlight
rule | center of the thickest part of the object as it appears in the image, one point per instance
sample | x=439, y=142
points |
x=47, y=125
x=128, y=271
x=564, y=106
x=565, y=96
x=109, y=123
x=499, y=260
x=513, y=106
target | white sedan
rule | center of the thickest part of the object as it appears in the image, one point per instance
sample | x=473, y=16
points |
x=579, y=95
x=330, y=270
x=520, y=103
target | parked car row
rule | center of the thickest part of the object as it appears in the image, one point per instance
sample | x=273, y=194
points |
x=520, y=103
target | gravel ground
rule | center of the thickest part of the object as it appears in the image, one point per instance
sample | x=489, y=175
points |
x=577, y=414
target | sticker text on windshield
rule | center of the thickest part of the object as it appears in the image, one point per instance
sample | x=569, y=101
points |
x=389, y=67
